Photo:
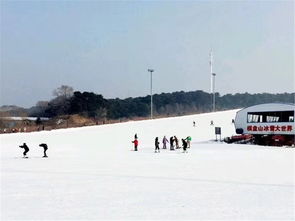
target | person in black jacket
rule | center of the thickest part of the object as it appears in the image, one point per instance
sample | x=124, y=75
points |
x=44, y=145
x=184, y=145
x=157, y=148
x=171, y=143
x=176, y=142
x=26, y=148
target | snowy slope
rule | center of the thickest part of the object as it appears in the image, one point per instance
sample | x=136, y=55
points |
x=91, y=173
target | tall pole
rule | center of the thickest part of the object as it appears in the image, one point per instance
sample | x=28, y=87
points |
x=212, y=87
x=151, y=71
x=213, y=77
x=211, y=71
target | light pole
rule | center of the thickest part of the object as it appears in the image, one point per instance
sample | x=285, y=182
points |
x=212, y=81
x=151, y=71
x=213, y=91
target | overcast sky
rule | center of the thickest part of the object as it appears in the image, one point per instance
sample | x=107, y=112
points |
x=106, y=47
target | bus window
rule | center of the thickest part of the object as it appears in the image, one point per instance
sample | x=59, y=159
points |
x=270, y=117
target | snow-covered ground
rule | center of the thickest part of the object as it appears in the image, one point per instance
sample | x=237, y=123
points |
x=92, y=173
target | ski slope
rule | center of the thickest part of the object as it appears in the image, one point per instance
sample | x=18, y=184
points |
x=92, y=173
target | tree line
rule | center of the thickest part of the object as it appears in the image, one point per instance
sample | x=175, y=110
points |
x=89, y=104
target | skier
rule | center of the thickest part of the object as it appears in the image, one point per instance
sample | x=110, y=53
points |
x=194, y=123
x=184, y=145
x=44, y=145
x=171, y=143
x=135, y=141
x=164, y=141
x=176, y=142
x=188, y=140
x=157, y=145
x=26, y=148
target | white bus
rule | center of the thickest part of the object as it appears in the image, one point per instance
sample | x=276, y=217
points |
x=271, y=123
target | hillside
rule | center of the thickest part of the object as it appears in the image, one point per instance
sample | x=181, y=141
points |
x=92, y=173
x=178, y=103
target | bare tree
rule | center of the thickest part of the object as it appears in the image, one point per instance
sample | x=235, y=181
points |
x=42, y=104
x=64, y=91
x=60, y=104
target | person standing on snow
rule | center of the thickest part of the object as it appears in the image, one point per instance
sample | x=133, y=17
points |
x=26, y=148
x=171, y=143
x=184, y=145
x=45, y=147
x=176, y=142
x=164, y=141
x=135, y=141
x=188, y=140
x=157, y=148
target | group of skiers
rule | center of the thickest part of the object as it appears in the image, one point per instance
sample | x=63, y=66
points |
x=26, y=148
x=186, y=143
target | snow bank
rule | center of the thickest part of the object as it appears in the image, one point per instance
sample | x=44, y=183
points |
x=92, y=173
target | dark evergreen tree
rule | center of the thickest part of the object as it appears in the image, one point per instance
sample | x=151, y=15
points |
x=165, y=104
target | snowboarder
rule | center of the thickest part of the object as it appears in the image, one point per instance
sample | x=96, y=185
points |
x=188, y=140
x=135, y=141
x=171, y=143
x=44, y=145
x=184, y=145
x=157, y=148
x=176, y=142
x=26, y=148
x=164, y=141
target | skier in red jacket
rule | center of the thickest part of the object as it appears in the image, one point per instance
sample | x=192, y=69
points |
x=135, y=144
